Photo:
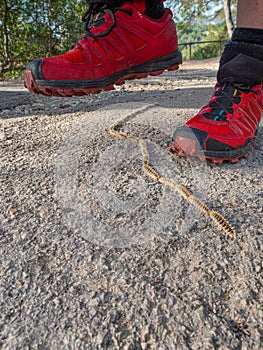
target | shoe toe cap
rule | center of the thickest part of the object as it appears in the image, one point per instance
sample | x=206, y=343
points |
x=199, y=140
x=186, y=132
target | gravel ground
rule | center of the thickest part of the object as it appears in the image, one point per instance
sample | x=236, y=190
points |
x=94, y=255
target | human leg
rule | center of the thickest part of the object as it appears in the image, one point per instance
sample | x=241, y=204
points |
x=224, y=128
x=250, y=14
x=123, y=40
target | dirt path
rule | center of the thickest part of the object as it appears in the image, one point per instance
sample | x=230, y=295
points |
x=96, y=256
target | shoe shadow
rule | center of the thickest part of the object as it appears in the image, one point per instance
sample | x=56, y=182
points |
x=19, y=103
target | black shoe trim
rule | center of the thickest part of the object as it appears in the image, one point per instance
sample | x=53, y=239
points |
x=230, y=154
x=35, y=67
x=151, y=66
x=214, y=145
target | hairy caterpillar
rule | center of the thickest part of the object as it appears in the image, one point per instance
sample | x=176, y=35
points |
x=218, y=219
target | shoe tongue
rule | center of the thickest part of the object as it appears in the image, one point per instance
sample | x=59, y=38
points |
x=102, y=23
x=98, y=22
x=233, y=88
x=229, y=89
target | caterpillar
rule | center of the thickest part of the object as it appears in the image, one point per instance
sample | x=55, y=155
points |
x=151, y=172
x=144, y=151
x=198, y=204
x=217, y=218
x=222, y=224
x=179, y=188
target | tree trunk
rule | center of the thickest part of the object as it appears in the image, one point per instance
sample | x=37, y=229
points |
x=50, y=31
x=228, y=17
x=7, y=55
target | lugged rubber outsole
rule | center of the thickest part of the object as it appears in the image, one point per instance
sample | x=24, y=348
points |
x=188, y=149
x=31, y=84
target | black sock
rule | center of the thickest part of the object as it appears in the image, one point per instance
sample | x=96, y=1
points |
x=246, y=41
x=154, y=9
x=108, y=2
x=248, y=35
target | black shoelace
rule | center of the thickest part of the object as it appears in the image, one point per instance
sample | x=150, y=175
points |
x=227, y=96
x=93, y=17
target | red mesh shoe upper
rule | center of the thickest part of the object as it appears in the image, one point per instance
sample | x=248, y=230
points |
x=224, y=128
x=118, y=41
x=233, y=117
x=75, y=56
x=134, y=39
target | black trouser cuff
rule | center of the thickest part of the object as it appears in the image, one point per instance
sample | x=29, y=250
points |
x=242, y=69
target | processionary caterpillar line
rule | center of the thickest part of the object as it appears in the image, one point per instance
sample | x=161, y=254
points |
x=218, y=219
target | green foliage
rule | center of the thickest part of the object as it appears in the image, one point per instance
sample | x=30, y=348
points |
x=30, y=29
x=202, y=33
x=200, y=20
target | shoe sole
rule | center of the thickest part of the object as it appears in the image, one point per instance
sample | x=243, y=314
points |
x=67, y=88
x=187, y=147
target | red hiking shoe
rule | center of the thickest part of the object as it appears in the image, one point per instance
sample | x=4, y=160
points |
x=121, y=43
x=224, y=128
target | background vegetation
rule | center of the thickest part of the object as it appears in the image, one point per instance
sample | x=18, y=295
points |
x=31, y=29
x=203, y=20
